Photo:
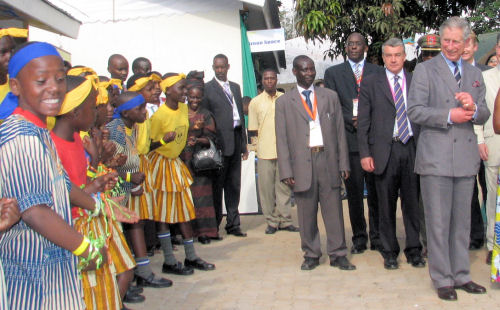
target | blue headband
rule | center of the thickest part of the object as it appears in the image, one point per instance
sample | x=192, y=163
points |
x=27, y=54
x=16, y=64
x=129, y=105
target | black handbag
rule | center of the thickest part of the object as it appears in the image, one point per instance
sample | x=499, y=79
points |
x=207, y=159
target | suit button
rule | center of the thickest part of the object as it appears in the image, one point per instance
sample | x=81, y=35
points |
x=454, y=140
x=470, y=139
x=308, y=160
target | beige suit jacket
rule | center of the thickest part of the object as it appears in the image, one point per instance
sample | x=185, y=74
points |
x=292, y=137
x=486, y=133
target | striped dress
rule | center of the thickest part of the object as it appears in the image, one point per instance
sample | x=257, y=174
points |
x=3, y=292
x=38, y=273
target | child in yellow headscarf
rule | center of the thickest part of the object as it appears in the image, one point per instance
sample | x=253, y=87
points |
x=170, y=178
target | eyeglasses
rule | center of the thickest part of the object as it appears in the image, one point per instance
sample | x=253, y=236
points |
x=355, y=43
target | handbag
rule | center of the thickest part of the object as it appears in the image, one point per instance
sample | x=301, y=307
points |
x=207, y=159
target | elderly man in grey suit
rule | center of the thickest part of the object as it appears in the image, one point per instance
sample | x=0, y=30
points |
x=446, y=99
x=312, y=157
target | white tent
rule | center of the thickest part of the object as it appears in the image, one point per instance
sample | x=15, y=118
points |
x=176, y=35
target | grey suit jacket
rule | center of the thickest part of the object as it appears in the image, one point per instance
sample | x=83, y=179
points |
x=292, y=137
x=445, y=149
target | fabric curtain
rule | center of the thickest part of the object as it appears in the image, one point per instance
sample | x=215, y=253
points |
x=249, y=82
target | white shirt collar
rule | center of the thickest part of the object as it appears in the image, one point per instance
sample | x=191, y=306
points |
x=311, y=88
x=391, y=75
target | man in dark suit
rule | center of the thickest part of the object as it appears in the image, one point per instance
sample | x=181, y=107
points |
x=345, y=79
x=446, y=99
x=312, y=157
x=387, y=143
x=223, y=99
x=477, y=234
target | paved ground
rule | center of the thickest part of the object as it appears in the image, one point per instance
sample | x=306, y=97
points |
x=263, y=272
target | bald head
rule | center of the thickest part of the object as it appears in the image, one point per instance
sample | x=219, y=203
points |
x=118, y=67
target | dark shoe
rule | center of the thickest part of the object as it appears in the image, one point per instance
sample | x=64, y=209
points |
x=291, y=228
x=204, y=239
x=309, y=263
x=358, y=249
x=133, y=298
x=447, y=293
x=391, y=263
x=237, y=232
x=199, y=264
x=476, y=245
x=343, y=263
x=471, y=288
x=216, y=238
x=135, y=289
x=488, y=257
x=177, y=269
x=270, y=230
x=416, y=261
x=153, y=281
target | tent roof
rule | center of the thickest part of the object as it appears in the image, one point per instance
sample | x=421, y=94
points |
x=91, y=11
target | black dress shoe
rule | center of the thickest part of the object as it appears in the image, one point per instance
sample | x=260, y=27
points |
x=343, y=263
x=204, y=239
x=471, y=288
x=199, y=264
x=237, y=232
x=488, y=257
x=309, y=263
x=177, y=269
x=358, y=249
x=135, y=289
x=216, y=238
x=476, y=245
x=270, y=230
x=416, y=261
x=447, y=293
x=153, y=281
x=133, y=298
x=290, y=228
x=391, y=263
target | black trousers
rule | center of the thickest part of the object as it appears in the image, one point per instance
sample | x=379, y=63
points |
x=355, y=199
x=399, y=176
x=477, y=233
x=228, y=182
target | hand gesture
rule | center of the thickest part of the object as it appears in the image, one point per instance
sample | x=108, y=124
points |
x=9, y=213
x=137, y=178
x=169, y=136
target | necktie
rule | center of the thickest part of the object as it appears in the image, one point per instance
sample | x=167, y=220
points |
x=456, y=73
x=306, y=94
x=401, y=117
x=357, y=73
x=228, y=93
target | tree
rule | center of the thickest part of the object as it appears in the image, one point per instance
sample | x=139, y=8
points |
x=377, y=20
x=486, y=17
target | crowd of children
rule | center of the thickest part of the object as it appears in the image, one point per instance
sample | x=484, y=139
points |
x=84, y=161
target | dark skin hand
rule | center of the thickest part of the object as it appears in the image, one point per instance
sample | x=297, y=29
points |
x=102, y=184
x=117, y=161
x=291, y=181
x=49, y=224
x=9, y=213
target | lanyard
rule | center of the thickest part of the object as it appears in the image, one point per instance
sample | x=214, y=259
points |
x=402, y=86
x=312, y=115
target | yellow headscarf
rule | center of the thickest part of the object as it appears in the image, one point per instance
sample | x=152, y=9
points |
x=102, y=87
x=171, y=80
x=140, y=83
x=14, y=32
x=77, y=96
x=80, y=70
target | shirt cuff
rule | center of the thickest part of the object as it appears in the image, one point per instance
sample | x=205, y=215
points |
x=475, y=112
x=449, y=118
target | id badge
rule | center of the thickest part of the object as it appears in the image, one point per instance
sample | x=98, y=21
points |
x=355, y=107
x=315, y=136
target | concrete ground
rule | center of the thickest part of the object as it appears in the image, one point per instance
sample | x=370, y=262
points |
x=263, y=272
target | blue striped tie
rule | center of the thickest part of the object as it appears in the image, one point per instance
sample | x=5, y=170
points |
x=401, y=117
x=456, y=73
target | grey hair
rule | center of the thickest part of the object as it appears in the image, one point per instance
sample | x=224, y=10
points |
x=393, y=42
x=456, y=22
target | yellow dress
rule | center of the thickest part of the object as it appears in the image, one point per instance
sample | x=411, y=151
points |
x=170, y=178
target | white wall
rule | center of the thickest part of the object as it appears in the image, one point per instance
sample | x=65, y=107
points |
x=176, y=43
